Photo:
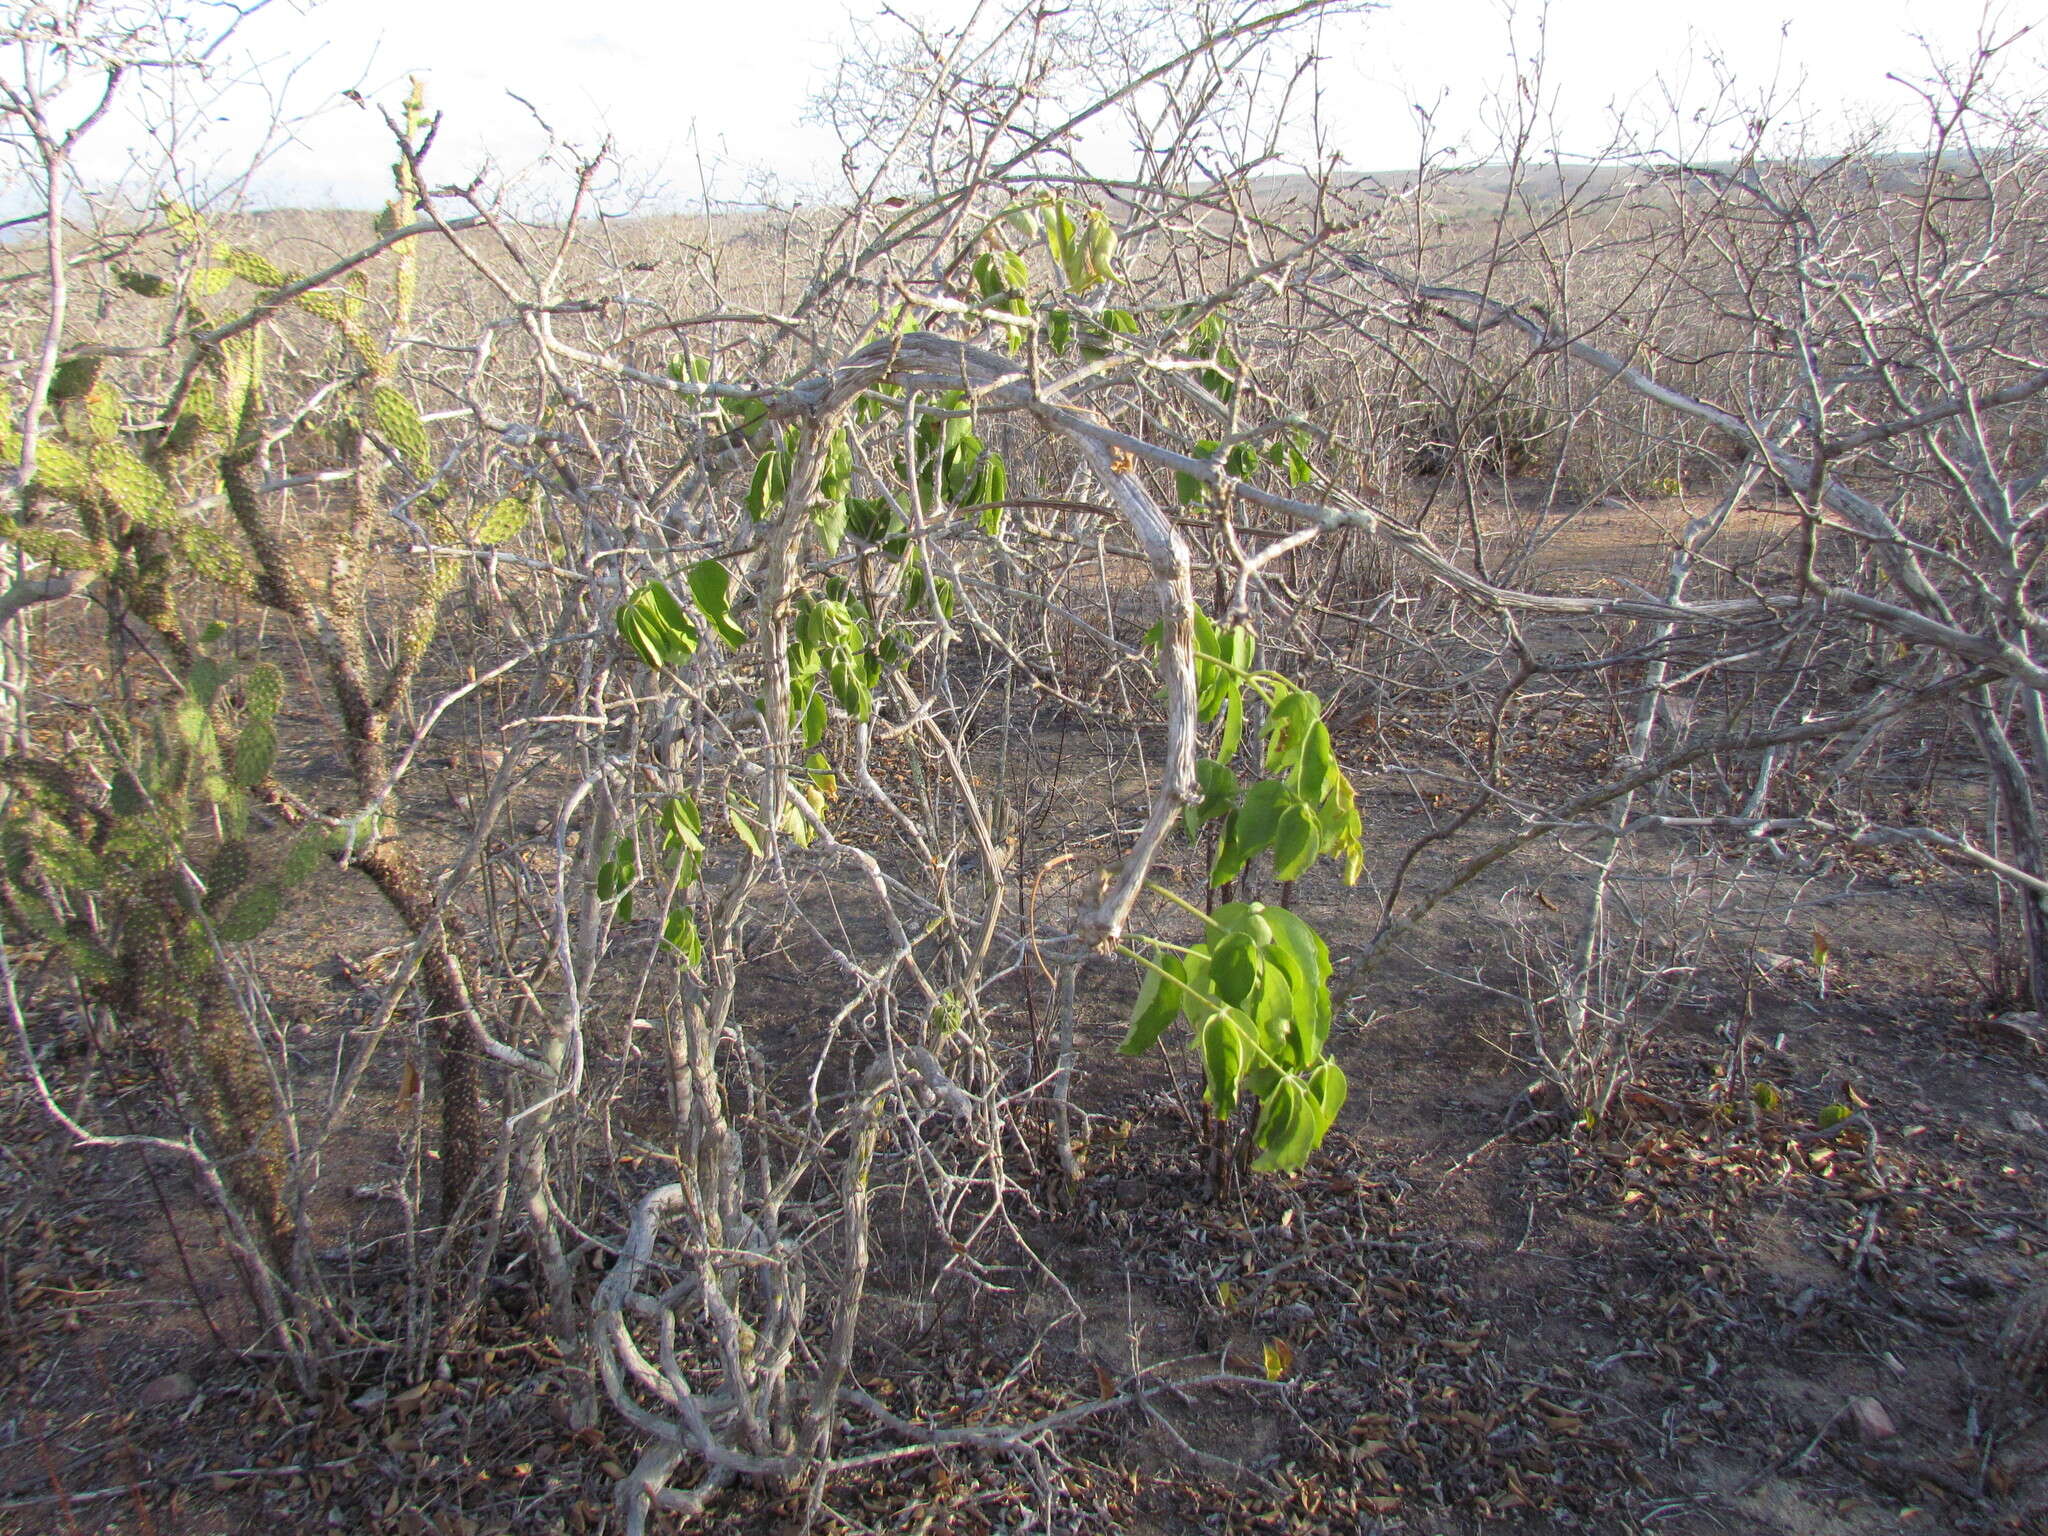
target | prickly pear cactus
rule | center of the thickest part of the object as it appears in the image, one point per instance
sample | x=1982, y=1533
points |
x=138, y=887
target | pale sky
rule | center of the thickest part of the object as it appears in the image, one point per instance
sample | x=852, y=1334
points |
x=681, y=84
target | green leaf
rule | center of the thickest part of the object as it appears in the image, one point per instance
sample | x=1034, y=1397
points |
x=1222, y=1047
x=1289, y=1128
x=1001, y=274
x=1342, y=830
x=1316, y=773
x=1060, y=236
x=770, y=484
x=1234, y=967
x=800, y=829
x=615, y=876
x=1218, y=785
x=1330, y=1089
x=1098, y=249
x=744, y=830
x=990, y=489
x=1307, y=946
x=1218, y=380
x=814, y=719
x=1288, y=725
x=1219, y=794
x=1259, y=821
x=849, y=686
x=963, y=460
x=682, y=825
x=873, y=521
x=1231, y=853
x=1233, y=726
x=1253, y=919
x=1100, y=330
x=657, y=627
x=1295, y=841
x=835, y=476
x=1191, y=489
x=679, y=933
x=711, y=589
x=1158, y=1005
x=1286, y=455
x=829, y=518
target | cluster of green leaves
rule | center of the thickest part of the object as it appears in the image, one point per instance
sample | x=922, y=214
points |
x=1085, y=254
x=1207, y=342
x=1223, y=661
x=924, y=590
x=1091, y=334
x=952, y=466
x=1003, y=279
x=1255, y=991
x=1303, y=806
x=1302, y=809
x=654, y=622
x=1286, y=453
x=1767, y=1097
x=830, y=648
x=679, y=837
x=816, y=787
x=770, y=485
x=1256, y=996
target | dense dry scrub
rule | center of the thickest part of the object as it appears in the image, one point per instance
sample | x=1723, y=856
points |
x=756, y=705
